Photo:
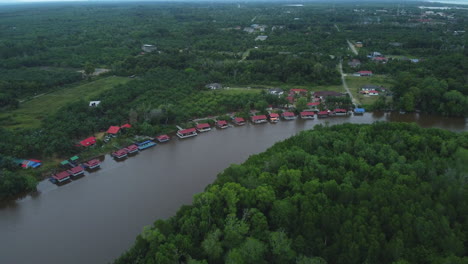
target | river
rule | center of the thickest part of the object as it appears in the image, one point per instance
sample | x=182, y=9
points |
x=96, y=218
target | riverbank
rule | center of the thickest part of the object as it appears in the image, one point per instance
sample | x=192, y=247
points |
x=152, y=185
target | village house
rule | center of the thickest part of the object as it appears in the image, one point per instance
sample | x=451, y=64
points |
x=363, y=73
x=358, y=44
x=214, y=86
x=148, y=48
x=276, y=91
x=355, y=63
x=370, y=87
x=298, y=92
x=261, y=38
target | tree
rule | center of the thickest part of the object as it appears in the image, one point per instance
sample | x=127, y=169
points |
x=89, y=68
x=301, y=104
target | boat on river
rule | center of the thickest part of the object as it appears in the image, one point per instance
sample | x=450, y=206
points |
x=359, y=111
x=146, y=144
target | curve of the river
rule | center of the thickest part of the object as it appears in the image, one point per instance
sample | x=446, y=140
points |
x=96, y=218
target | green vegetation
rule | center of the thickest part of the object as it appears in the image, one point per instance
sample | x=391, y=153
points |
x=381, y=193
x=355, y=85
x=196, y=44
x=31, y=112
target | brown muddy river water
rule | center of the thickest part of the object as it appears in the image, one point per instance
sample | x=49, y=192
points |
x=96, y=218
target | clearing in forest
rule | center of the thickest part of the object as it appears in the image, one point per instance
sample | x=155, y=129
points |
x=30, y=113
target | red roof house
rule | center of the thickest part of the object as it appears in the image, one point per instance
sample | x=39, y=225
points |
x=113, y=130
x=259, y=118
x=365, y=73
x=239, y=121
x=126, y=126
x=298, y=91
x=76, y=170
x=61, y=176
x=88, y=142
x=221, y=124
x=313, y=104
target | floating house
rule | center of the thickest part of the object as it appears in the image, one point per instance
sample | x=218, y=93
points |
x=274, y=117
x=307, y=115
x=239, y=121
x=185, y=133
x=221, y=124
x=163, y=138
x=76, y=171
x=288, y=116
x=92, y=164
x=258, y=119
x=145, y=144
x=359, y=111
x=61, y=177
x=341, y=112
x=322, y=114
x=204, y=127
x=132, y=149
x=120, y=154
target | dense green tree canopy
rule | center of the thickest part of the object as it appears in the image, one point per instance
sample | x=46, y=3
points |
x=381, y=193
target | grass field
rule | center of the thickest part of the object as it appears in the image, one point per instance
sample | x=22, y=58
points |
x=30, y=113
x=355, y=83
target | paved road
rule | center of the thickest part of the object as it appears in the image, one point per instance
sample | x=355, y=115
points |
x=355, y=102
x=351, y=46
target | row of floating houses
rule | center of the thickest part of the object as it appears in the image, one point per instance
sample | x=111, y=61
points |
x=74, y=169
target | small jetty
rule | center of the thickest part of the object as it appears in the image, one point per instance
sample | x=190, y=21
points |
x=119, y=154
x=288, y=116
x=76, y=171
x=146, y=144
x=308, y=115
x=322, y=114
x=204, y=127
x=60, y=177
x=274, y=117
x=163, y=138
x=221, y=124
x=185, y=133
x=341, y=112
x=239, y=121
x=92, y=164
x=258, y=119
x=359, y=111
